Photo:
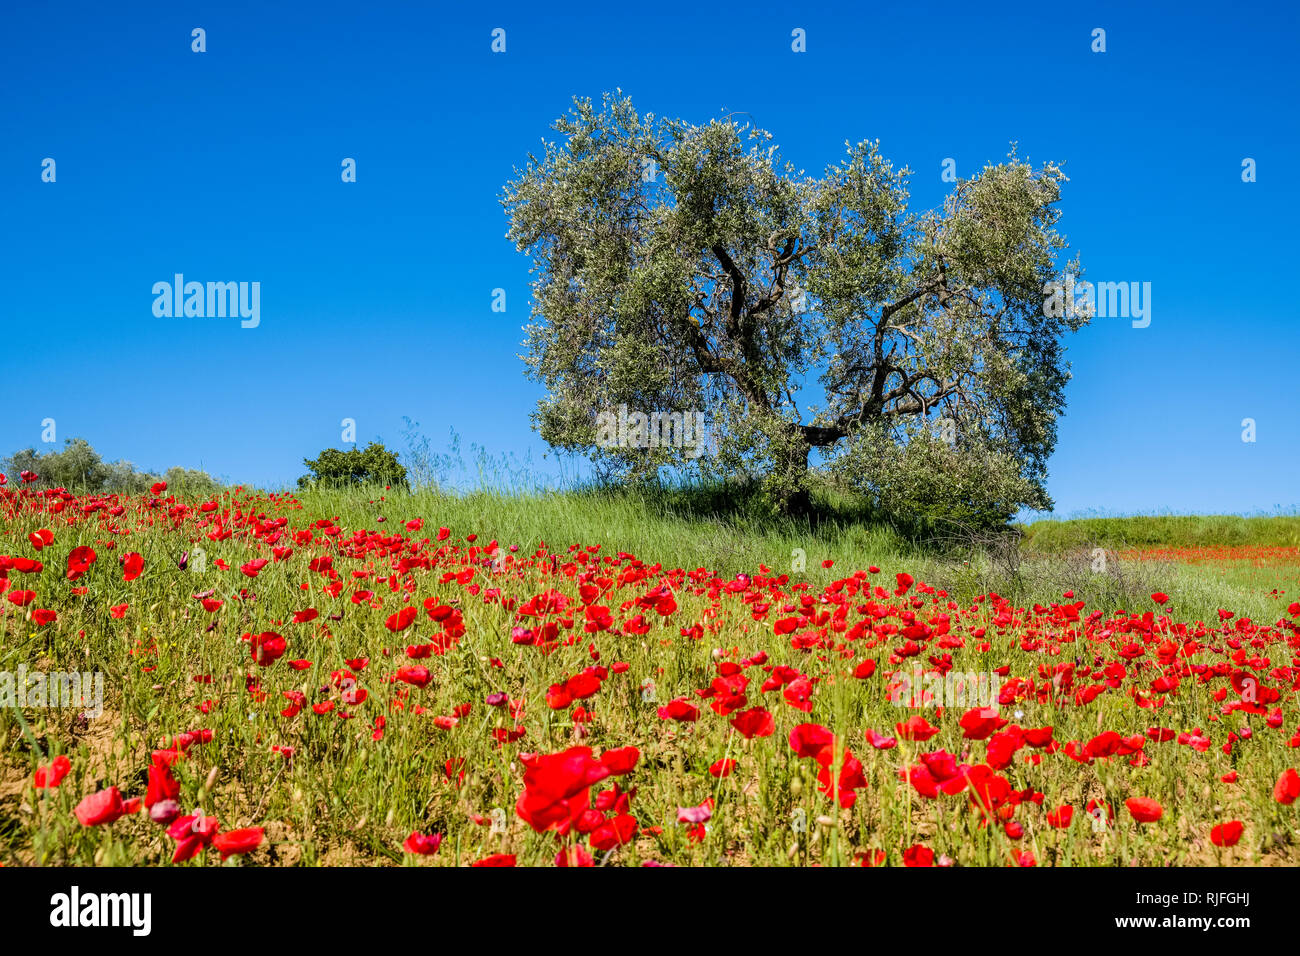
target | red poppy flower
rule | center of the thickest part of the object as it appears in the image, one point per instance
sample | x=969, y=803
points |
x=574, y=856
x=254, y=567
x=52, y=776
x=104, y=807
x=980, y=723
x=810, y=740
x=1287, y=788
x=680, y=709
x=612, y=833
x=851, y=778
x=880, y=742
x=757, y=722
x=1144, y=809
x=701, y=814
x=402, y=619
x=1038, y=736
x=415, y=674
x=620, y=761
x=132, y=566
x=267, y=648
x=555, y=788
x=79, y=561
x=235, y=842
x=917, y=728
x=193, y=834
x=1060, y=817
x=1226, y=834
x=421, y=844
x=163, y=785
x=918, y=856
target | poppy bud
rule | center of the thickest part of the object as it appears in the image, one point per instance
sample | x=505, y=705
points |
x=164, y=812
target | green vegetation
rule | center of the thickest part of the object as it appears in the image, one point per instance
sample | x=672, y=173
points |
x=267, y=644
x=373, y=464
x=731, y=534
x=685, y=269
x=1165, y=531
x=79, y=468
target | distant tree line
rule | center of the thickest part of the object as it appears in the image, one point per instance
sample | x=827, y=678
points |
x=79, y=468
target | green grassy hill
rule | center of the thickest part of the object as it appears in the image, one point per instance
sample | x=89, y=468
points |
x=710, y=530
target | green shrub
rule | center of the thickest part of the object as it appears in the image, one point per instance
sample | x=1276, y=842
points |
x=969, y=483
x=374, y=464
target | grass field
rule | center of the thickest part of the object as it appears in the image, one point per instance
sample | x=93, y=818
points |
x=621, y=679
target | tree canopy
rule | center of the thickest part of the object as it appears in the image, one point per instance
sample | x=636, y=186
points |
x=681, y=267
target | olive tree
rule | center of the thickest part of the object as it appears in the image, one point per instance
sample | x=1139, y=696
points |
x=77, y=467
x=686, y=268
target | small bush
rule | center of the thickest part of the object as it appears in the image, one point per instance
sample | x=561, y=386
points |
x=971, y=485
x=374, y=464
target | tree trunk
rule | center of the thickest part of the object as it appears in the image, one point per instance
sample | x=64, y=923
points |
x=795, y=499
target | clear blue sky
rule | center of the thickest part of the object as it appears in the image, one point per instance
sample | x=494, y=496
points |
x=375, y=304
